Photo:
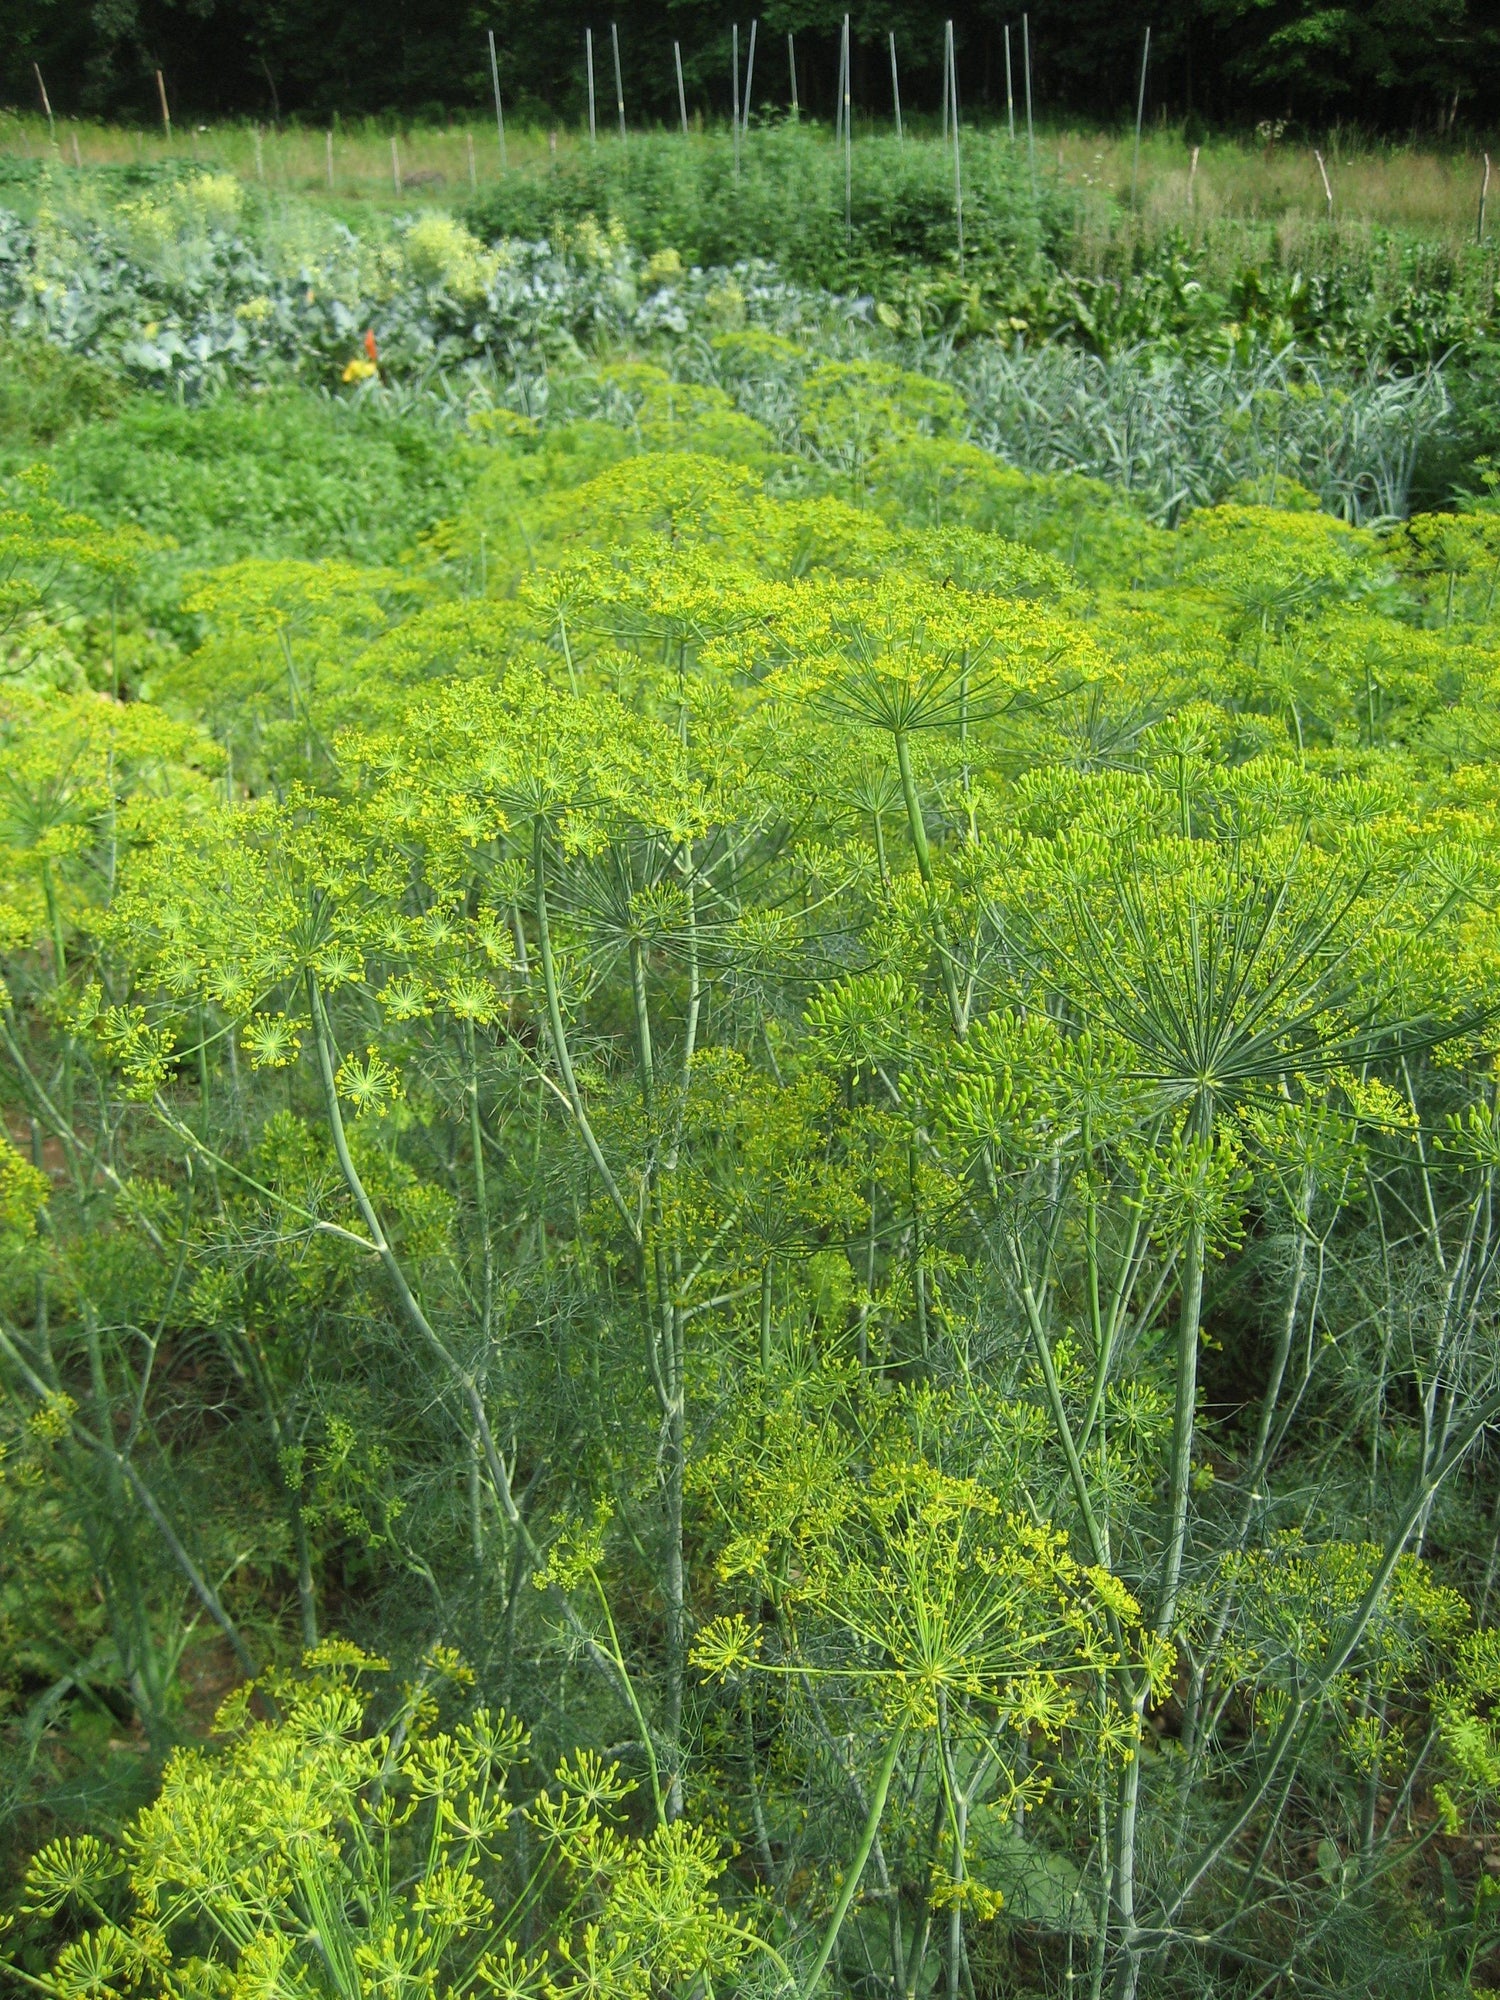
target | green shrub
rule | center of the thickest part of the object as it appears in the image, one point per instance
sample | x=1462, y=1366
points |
x=295, y=471
x=45, y=393
x=787, y=202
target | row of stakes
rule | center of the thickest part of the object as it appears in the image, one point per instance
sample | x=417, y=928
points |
x=740, y=114
x=741, y=104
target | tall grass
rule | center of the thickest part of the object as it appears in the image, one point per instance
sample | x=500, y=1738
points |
x=1435, y=194
x=291, y=159
x=1405, y=187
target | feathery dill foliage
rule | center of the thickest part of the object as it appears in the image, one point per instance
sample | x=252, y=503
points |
x=812, y=1124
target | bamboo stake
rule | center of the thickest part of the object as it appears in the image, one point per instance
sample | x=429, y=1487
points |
x=896, y=89
x=958, y=178
x=395, y=164
x=588, y=56
x=328, y=153
x=1327, y=190
x=681, y=88
x=848, y=141
x=499, y=113
x=791, y=60
x=1140, y=112
x=1030, y=128
x=1010, y=95
x=36, y=70
x=1484, y=195
x=614, y=42
x=749, y=78
x=166, y=116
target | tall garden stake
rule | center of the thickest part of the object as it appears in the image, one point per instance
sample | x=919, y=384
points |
x=36, y=70
x=950, y=57
x=1484, y=195
x=1140, y=112
x=844, y=100
x=734, y=85
x=1327, y=189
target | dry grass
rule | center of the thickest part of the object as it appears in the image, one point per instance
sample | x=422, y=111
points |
x=1433, y=195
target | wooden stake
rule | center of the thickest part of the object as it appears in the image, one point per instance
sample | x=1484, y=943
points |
x=1327, y=190
x=36, y=70
x=896, y=88
x=395, y=164
x=588, y=56
x=166, y=116
x=1192, y=176
x=614, y=37
x=260, y=159
x=958, y=177
x=499, y=114
x=681, y=87
x=1484, y=195
x=77, y=156
x=328, y=153
x=749, y=79
x=1010, y=95
x=791, y=63
x=473, y=169
x=1140, y=112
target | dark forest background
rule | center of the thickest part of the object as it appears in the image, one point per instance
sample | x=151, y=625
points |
x=1428, y=66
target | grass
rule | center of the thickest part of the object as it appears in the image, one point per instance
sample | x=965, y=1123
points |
x=1409, y=188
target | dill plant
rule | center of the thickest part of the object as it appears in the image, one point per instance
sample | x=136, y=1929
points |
x=828, y=1111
